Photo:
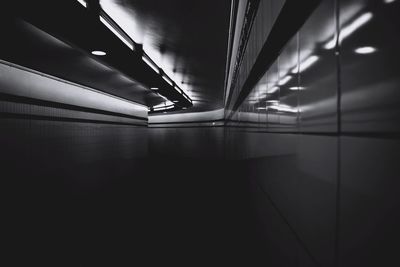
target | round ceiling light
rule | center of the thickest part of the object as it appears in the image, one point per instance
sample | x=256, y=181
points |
x=365, y=50
x=99, y=53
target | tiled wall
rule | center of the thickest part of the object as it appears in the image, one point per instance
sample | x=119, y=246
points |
x=319, y=135
x=53, y=128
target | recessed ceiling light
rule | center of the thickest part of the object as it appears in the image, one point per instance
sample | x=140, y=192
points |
x=154, y=88
x=296, y=88
x=99, y=53
x=365, y=50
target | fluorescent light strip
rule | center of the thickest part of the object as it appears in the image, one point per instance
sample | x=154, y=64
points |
x=348, y=30
x=294, y=88
x=284, y=80
x=284, y=108
x=151, y=64
x=273, y=90
x=82, y=2
x=308, y=62
x=116, y=33
x=365, y=50
x=168, y=80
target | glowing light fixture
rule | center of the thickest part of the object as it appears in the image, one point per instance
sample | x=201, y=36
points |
x=307, y=63
x=284, y=80
x=294, y=88
x=348, y=30
x=116, y=33
x=168, y=80
x=82, y=2
x=99, y=53
x=365, y=50
x=151, y=64
x=154, y=88
x=273, y=90
x=388, y=1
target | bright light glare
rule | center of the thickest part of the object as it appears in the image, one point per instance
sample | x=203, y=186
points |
x=167, y=80
x=272, y=101
x=294, y=88
x=273, y=90
x=348, y=30
x=284, y=80
x=151, y=64
x=388, y=1
x=99, y=53
x=308, y=62
x=261, y=108
x=82, y=2
x=154, y=88
x=116, y=33
x=284, y=108
x=365, y=50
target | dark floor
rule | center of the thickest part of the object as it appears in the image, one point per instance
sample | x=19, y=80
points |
x=148, y=213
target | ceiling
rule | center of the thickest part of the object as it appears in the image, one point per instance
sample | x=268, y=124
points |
x=187, y=39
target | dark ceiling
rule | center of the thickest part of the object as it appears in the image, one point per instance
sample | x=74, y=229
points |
x=187, y=38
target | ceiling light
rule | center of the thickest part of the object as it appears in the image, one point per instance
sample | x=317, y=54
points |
x=284, y=80
x=348, y=30
x=388, y=1
x=83, y=3
x=154, y=88
x=99, y=53
x=151, y=64
x=168, y=80
x=273, y=90
x=116, y=33
x=365, y=50
x=294, y=88
x=308, y=62
x=175, y=101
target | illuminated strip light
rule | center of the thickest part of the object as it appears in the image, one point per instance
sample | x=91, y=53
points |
x=285, y=80
x=116, y=33
x=168, y=80
x=151, y=64
x=163, y=108
x=294, y=88
x=284, y=108
x=308, y=62
x=82, y=2
x=273, y=90
x=348, y=30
